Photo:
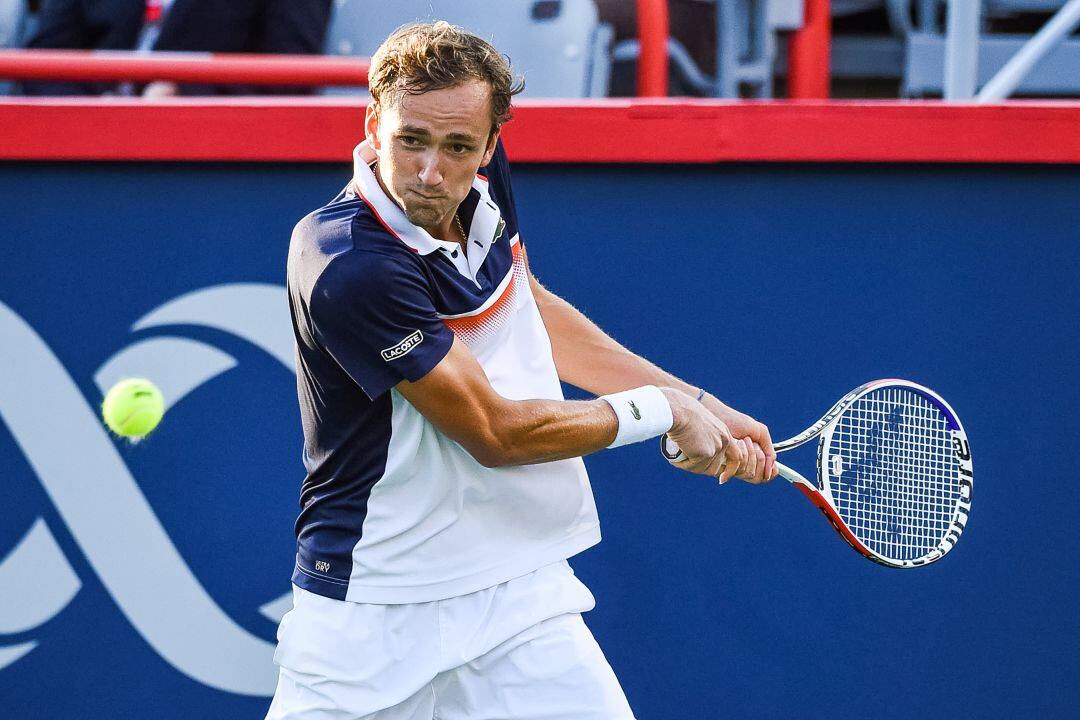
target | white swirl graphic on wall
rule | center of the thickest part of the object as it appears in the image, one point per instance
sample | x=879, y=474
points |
x=126, y=546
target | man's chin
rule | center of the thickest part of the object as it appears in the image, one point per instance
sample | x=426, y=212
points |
x=422, y=217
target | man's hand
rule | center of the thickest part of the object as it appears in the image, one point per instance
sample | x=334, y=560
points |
x=760, y=464
x=704, y=439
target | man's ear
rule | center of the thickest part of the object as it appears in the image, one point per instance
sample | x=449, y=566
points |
x=490, y=151
x=371, y=124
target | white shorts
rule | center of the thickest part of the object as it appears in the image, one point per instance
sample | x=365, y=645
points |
x=518, y=650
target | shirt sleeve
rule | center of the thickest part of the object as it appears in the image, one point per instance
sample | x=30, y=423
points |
x=498, y=174
x=374, y=314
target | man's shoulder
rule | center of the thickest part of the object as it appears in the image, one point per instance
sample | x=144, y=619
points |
x=327, y=230
x=343, y=246
x=497, y=171
x=497, y=176
x=345, y=223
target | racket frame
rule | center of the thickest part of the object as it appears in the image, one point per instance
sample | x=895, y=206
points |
x=820, y=492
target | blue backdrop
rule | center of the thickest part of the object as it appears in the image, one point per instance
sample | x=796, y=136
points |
x=778, y=287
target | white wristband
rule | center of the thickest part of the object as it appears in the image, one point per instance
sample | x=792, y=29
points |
x=644, y=413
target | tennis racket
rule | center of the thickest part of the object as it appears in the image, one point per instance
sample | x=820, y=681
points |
x=894, y=472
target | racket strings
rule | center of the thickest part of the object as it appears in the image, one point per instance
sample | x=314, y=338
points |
x=893, y=473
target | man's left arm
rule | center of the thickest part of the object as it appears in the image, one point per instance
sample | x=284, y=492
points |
x=588, y=358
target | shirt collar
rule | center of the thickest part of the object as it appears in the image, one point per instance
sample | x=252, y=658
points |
x=481, y=229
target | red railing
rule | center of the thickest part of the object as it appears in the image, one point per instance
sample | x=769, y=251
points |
x=652, y=27
x=204, y=68
x=628, y=130
x=808, y=53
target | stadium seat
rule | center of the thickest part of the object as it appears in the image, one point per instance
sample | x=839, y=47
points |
x=12, y=21
x=924, y=62
x=558, y=45
x=870, y=55
x=12, y=30
x=914, y=50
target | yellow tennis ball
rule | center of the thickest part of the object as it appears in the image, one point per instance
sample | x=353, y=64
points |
x=133, y=408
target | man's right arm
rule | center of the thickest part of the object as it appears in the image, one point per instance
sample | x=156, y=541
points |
x=373, y=313
x=457, y=398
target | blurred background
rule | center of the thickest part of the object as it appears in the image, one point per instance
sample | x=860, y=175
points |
x=590, y=48
x=823, y=193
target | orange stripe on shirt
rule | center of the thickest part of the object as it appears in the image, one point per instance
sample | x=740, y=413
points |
x=475, y=327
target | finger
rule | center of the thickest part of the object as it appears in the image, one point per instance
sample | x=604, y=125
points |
x=719, y=463
x=759, y=465
x=676, y=456
x=700, y=464
x=735, y=453
x=755, y=461
x=764, y=439
x=694, y=465
x=719, y=470
x=726, y=473
x=770, y=452
x=747, y=470
x=727, y=463
x=758, y=456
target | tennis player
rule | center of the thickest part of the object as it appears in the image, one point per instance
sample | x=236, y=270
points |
x=445, y=487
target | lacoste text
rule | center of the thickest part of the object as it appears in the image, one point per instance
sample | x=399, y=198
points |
x=404, y=347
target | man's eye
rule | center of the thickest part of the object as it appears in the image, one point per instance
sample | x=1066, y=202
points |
x=409, y=140
x=459, y=149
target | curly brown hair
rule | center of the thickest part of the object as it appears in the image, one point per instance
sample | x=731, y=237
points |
x=420, y=57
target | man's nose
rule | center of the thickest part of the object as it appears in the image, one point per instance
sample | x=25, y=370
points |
x=430, y=174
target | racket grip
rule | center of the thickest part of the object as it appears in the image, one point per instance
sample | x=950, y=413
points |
x=670, y=450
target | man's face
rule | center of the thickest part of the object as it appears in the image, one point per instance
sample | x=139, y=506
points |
x=429, y=148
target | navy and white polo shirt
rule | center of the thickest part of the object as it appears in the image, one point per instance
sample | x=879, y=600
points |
x=392, y=510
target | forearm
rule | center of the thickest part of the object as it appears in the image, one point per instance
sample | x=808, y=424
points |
x=541, y=430
x=457, y=398
x=532, y=431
